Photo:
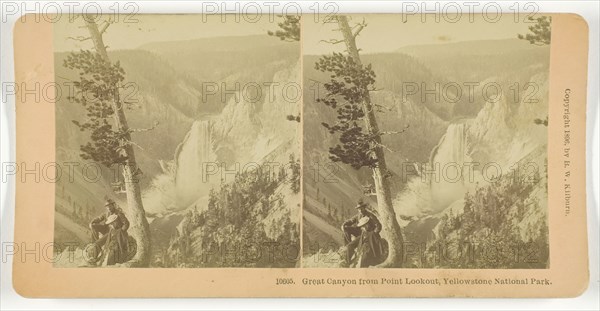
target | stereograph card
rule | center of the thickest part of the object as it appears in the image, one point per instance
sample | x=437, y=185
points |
x=374, y=155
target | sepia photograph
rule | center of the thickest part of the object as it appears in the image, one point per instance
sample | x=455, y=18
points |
x=425, y=142
x=183, y=130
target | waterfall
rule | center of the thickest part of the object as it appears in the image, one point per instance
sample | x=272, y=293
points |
x=448, y=160
x=442, y=185
x=452, y=146
x=190, y=159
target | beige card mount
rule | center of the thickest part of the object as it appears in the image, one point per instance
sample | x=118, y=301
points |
x=373, y=155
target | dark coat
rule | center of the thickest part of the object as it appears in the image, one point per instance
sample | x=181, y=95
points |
x=122, y=220
x=371, y=249
x=373, y=224
x=116, y=247
x=116, y=242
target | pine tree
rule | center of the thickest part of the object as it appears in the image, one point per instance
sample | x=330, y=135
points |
x=541, y=34
x=348, y=93
x=110, y=135
x=541, y=31
x=295, y=166
x=289, y=31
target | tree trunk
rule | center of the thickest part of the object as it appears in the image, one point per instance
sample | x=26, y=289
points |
x=139, y=228
x=391, y=228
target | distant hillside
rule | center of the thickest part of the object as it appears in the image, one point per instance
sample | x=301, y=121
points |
x=228, y=59
x=479, y=47
x=476, y=60
x=214, y=44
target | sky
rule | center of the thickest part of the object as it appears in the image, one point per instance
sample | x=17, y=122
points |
x=388, y=32
x=129, y=34
x=384, y=33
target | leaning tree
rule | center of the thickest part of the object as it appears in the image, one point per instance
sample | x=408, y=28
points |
x=99, y=86
x=360, y=139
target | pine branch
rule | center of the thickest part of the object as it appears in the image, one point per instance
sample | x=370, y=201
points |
x=104, y=27
x=360, y=26
x=80, y=38
x=393, y=132
x=373, y=89
x=135, y=144
x=154, y=125
x=332, y=41
x=384, y=146
x=330, y=19
x=64, y=78
x=384, y=107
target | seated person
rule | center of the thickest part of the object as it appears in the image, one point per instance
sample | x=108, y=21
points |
x=351, y=228
x=98, y=225
x=116, y=242
x=109, y=230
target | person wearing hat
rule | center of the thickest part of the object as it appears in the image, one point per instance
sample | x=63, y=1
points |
x=364, y=221
x=370, y=247
x=350, y=227
x=115, y=243
x=99, y=224
x=112, y=247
